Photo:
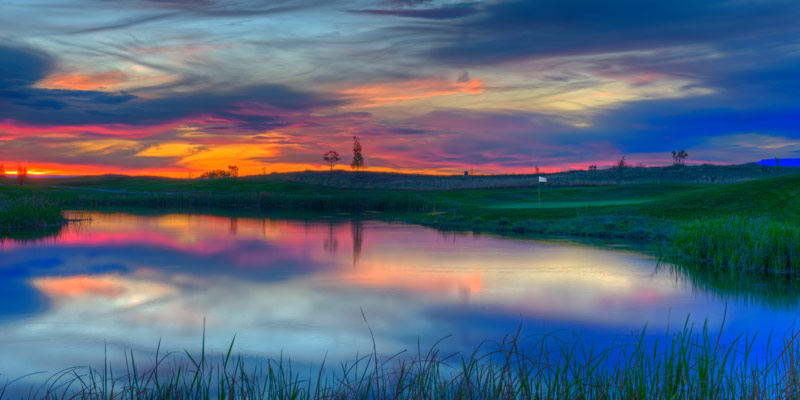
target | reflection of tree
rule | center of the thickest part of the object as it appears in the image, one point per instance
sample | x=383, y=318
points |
x=331, y=244
x=357, y=230
x=234, y=228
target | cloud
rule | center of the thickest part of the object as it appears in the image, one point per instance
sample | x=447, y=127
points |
x=53, y=107
x=22, y=67
x=451, y=12
x=518, y=29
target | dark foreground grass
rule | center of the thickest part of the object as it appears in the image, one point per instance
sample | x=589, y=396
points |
x=29, y=213
x=688, y=364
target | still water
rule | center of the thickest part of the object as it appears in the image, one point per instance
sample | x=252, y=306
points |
x=122, y=282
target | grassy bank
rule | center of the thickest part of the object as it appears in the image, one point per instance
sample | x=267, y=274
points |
x=671, y=209
x=750, y=244
x=254, y=192
x=686, y=364
x=29, y=213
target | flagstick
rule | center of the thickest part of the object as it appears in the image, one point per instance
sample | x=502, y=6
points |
x=539, y=189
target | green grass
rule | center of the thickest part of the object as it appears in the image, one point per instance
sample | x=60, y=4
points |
x=682, y=365
x=568, y=204
x=762, y=244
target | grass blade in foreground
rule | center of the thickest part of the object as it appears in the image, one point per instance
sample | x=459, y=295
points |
x=686, y=364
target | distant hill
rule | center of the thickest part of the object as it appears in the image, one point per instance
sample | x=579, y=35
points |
x=784, y=162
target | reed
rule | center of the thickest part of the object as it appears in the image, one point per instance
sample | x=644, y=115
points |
x=686, y=364
x=735, y=243
x=29, y=212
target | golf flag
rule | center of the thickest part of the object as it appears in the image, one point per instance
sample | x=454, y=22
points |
x=542, y=179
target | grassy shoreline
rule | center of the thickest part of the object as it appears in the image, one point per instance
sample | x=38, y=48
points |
x=29, y=213
x=689, y=363
x=681, y=217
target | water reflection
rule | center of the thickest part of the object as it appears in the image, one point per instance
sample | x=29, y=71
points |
x=295, y=287
x=357, y=230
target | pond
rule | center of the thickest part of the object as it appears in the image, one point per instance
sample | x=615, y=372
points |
x=311, y=289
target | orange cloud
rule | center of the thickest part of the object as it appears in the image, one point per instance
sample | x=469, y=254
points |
x=15, y=129
x=371, y=95
x=79, y=285
x=101, y=81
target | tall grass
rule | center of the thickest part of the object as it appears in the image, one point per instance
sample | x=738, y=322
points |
x=688, y=364
x=737, y=243
x=29, y=212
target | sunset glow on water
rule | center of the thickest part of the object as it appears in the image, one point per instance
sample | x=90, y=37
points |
x=297, y=288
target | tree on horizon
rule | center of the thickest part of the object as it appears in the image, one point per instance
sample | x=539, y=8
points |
x=331, y=157
x=358, y=158
x=234, y=171
x=215, y=174
x=22, y=173
x=2, y=171
x=679, y=156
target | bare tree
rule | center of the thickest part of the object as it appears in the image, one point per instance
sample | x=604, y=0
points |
x=358, y=158
x=621, y=163
x=679, y=156
x=331, y=158
x=593, y=167
x=234, y=171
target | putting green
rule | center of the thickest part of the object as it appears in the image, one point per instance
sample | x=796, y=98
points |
x=567, y=204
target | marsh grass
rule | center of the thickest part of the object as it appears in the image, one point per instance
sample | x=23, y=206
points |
x=735, y=243
x=29, y=212
x=689, y=363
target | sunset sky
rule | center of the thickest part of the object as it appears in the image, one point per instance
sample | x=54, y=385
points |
x=177, y=87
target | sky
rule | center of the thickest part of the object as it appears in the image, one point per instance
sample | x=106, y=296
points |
x=178, y=87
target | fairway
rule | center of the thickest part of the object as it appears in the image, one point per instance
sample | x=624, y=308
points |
x=566, y=204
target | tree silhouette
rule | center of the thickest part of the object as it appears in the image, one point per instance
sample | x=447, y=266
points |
x=593, y=167
x=2, y=171
x=22, y=173
x=331, y=158
x=358, y=159
x=621, y=163
x=679, y=156
x=234, y=171
x=215, y=174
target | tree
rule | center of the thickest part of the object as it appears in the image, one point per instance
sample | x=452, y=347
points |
x=234, y=171
x=679, y=156
x=215, y=174
x=22, y=173
x=358, y=159
x=777, y=163
x=331, y=158
x=621, y=163
x=2, y=171
x=593, y=167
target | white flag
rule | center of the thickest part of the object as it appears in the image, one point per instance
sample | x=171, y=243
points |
x=542, y=179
